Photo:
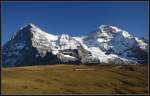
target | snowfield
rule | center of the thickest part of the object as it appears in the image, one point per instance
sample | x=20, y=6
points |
x=108, y=44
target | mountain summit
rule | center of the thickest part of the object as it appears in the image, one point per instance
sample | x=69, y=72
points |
x=109, y=44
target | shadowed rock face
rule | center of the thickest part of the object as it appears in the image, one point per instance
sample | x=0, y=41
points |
x=32, y=46
x=25, y=49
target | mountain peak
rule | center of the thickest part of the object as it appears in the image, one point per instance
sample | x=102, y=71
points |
x=101, y=27
x=28, y=26
x=31, y=25
x=108, y=28
x=31, y=45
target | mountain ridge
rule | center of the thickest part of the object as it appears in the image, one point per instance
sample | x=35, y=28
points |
x=109, y=44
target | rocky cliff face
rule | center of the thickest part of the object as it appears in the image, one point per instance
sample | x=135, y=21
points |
x=109, y=44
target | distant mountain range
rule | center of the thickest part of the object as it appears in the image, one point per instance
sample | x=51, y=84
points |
x=108, y=45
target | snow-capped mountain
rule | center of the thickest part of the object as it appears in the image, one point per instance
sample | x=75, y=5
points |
x=109, y=44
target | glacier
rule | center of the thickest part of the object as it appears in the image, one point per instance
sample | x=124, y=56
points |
x=107, y=45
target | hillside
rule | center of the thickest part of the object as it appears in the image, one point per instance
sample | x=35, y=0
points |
x=75, y=79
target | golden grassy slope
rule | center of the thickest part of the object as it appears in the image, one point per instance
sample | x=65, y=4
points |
x=75, y=79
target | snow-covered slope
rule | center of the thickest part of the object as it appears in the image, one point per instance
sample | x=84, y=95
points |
x=109, y=44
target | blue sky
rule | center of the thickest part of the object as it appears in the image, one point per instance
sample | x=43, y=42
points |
x=75, y=19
